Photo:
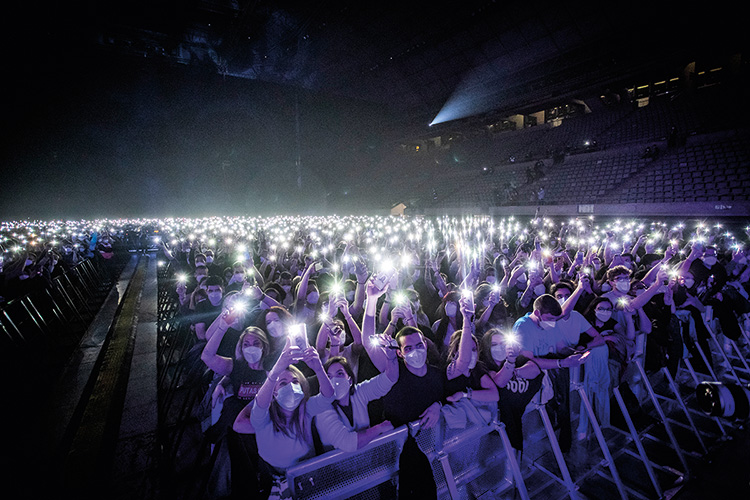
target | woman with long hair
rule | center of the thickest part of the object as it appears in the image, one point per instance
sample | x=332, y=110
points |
x=242, y=377
x=518, y=379
x=449, y=320
x=282, y=412
x=347, y=426
x=467, y=378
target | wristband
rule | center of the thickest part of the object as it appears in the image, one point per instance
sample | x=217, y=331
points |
x=559, y=363
x=469, y=390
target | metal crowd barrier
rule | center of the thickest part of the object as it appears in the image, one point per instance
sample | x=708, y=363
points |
x=466, y=463
x=56, y=316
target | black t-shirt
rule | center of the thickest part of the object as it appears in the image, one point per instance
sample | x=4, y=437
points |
x=205, y=312
x=514, y=398
x=411, y=395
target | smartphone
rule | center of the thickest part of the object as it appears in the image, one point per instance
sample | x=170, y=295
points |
x=380, y=280
x=298, y=334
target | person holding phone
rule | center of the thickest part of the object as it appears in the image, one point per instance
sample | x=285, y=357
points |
x=282, y=413
x=242, y=377
x=518, y=378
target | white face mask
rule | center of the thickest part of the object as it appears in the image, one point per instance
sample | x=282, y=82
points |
x=473, y=361
x=312, y=298
x=623, y=286
x=416, y=358
x=349, y=296
x=522, y=278
x=606, y=287
x=252, y=354
x=286, y=288
x=689, y=283
x=275, y=329
x=547, y=325
x=709, y=261
x=451, y=309
x=290, y=396
x=215, y=298
x=561, y=300
x=540, y=290
x=491, y=280
x=341, y=386
x=603, y=316
x=498, y=352
x=209, y=260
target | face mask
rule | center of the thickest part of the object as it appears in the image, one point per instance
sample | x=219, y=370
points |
x=606, y=287
x=252, y=354
x=416, y=358
x=290, y=396
x=200, y=264
x=341, y=386
x=522, y=278
x=540, y=290
x=28, y=262
x=275, y=329
x=312, y=298
x=450, y=309
x=689, y=283
x=349, y=296
x=491, y=280
x=214, y=297
x=622, y=286
x=547, y=325
x=498, y=352
x=473, y=361
x=603, y=316
x=561, y=300
x=286, y=288
x=209, y=260
x=709, y=261
x=238, y=277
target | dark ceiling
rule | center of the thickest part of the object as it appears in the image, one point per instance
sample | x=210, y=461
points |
x=476, y=55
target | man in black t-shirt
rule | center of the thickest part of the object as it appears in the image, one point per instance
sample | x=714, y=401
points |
x=208, y=310
x=419, y=391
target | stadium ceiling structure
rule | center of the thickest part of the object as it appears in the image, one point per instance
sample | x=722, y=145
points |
x=410, y=56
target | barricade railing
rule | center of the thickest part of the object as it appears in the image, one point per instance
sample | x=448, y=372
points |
x=466, y=462
x=57, y=314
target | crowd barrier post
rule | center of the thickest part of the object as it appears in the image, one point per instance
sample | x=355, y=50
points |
x=520, y=484
x=663, y=418
x=681, y=403
x=720, y=349
x=638, y=443
x=567, y=480
x=578, y=386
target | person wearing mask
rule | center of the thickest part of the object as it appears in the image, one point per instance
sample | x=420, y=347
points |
x=538, y=333
x=242, y=377
x=517, y=377
x=466, y=378
x=347, y=426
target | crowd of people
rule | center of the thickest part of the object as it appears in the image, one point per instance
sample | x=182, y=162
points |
x=32, y=254
x=324, y=333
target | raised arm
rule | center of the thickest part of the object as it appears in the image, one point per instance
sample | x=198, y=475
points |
x=219, y=364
